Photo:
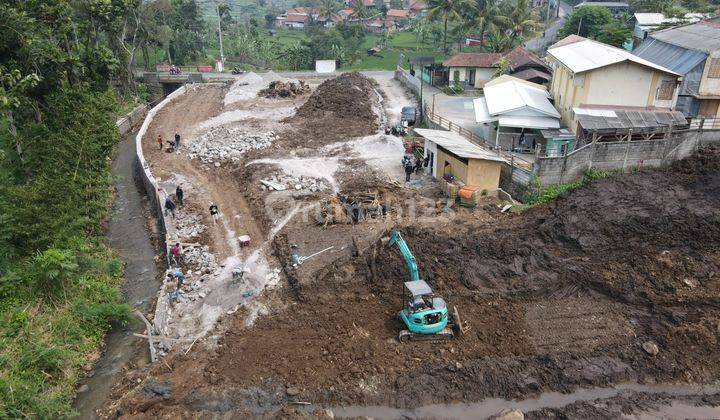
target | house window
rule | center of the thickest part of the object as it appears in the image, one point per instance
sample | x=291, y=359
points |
x=714, y=70
x=665, y=91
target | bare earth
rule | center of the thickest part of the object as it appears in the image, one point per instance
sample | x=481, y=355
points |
x=559, y=298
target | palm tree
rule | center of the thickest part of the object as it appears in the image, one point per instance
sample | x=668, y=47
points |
x=445, y=10
x=359, y=9
x=487, y=16
x=519, y=20
x=328, y=8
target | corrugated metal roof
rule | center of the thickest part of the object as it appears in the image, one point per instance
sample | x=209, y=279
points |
x=482, y=115
x=678, y=59
x=623, y=120
x=702, y=36
x=656, y=19
x=458, y=144
x=589, y=55
x=603, y=4
x=513, y=94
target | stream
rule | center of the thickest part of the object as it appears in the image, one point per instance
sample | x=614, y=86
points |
x=127, y=235
x=491, y=406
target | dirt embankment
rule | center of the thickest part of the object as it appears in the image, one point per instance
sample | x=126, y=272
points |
x=558, y=297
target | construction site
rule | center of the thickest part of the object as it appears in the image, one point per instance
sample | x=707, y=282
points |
x=600, y=304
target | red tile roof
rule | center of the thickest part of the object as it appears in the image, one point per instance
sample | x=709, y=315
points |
x=519, y=57
x=529, y=74
x=295, y=19
x=398, y=13
x=418, y=5
x=472, y=60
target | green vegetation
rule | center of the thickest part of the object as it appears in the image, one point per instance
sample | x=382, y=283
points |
x=59, y=284
x=548, y=193
x=596, y=23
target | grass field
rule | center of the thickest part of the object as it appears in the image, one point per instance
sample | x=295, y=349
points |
x=400, y=43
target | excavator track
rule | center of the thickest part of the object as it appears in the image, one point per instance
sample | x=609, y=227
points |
x=445, y=335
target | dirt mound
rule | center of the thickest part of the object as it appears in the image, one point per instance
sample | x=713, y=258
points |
x=280, y=89
x=341, y=108
x=349, y=95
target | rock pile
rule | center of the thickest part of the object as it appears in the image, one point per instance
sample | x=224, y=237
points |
x=227, y=143
x=201, y=260
x=280, y=89
x=297, y=183
x=188, y=225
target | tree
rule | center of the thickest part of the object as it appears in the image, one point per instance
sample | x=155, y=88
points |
x=586, y=21
x=444, y=10
x=486, y=16
x=328, y=8
x=270, y=20
x=614, y=34
x=359, y=9
x=519, y=20
x=419, y=26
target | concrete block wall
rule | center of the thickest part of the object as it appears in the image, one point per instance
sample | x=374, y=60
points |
x=621, y=155
x=407, y=80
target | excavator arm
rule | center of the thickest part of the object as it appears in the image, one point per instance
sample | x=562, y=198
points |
x=397, y=241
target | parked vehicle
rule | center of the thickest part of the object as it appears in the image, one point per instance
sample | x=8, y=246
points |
x=409, y=114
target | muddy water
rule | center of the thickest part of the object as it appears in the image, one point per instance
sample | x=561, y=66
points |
x=491, y=406
x=127, y=235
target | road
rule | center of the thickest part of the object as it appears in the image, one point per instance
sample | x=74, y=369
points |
x=549, y=35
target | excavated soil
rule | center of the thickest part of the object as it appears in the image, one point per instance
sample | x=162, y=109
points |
x=340, y=108
x=558, y=297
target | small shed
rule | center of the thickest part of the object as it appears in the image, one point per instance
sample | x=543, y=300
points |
x=449, y=153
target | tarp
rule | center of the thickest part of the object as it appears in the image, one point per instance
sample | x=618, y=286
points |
x=325, y=66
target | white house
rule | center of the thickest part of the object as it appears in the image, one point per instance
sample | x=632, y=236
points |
x=516, y=108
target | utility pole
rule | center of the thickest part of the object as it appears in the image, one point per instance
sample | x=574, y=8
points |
x=547, y=19
x=222, y=53
x=579, y=25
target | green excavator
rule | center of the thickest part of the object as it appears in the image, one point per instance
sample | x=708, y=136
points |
x=425, y=315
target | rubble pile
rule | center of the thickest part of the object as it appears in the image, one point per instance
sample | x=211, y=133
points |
x=228, y=143
x=289, y=182
x=201, y=260
x=188, y=225
x=280, y=89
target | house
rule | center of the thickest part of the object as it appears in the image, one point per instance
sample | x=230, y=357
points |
x=527, y=66
x=417, y=8
x=518, y=109
x=693, y=51
x=472, y=69
x=398, y=15
x=449, y=153
x=591, y=75
x=476, y=69
x=617, y=8
x=649, y=22
x=294, y=21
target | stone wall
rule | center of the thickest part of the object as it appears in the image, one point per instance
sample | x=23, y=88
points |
x=621, y=155
x=407, y=80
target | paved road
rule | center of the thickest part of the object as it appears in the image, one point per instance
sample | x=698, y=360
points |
x=550, y=33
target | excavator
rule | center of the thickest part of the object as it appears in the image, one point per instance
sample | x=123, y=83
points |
x=425, y=315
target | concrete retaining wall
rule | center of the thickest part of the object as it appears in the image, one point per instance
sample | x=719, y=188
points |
x=621, y=155
x=131, y=120
x=407, y=80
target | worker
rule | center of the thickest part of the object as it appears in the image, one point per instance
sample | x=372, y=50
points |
x=171, y=146
x=160, y=141
x=418, y=165
x=169, y=206
x=426, y=162
x=171, y=291
x=178, y=276
x=214, y=212
x=179, y=195
x=175, y=253
x=177, y=140
x=408, y=170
